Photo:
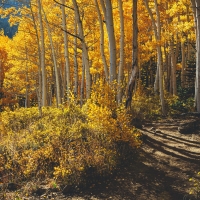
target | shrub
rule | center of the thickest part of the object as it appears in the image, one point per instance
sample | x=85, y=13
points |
x=66, y=141
x=145, y=104
x=195, y=189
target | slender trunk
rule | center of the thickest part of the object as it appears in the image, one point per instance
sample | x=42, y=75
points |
x=75, y=62
x=173, y=68
x=84, y=49
x=134, y=71
x=42, y=64
x=58, y=93
x=67, y=68
x=121, y=62
x=166, y=69
x=183, y=65
x=197, y=84
x=156, y=82
x=39, y=90
x=161, y=90
x=195, y=23
x=82, y=84
x=102, y=41
x=27, y=100
x=157, y=33
x=111, y=36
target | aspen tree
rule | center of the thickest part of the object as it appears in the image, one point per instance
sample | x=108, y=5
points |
x=196, y=10
x=121, y=62
x=108, y=15
x=198, y=56
x=84, y=49
x=102, y=40
x=134, y=71
x=66, y=50
x=157, y=33
x=112, y=42
x=75, y=61
x=39, y=90
x=173, y=68
x=42, y=57
x=183, y=70
x=58, y=93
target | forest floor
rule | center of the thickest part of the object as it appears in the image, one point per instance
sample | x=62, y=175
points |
x=160, y=170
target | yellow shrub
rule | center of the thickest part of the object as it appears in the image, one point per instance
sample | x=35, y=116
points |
x=65, y=141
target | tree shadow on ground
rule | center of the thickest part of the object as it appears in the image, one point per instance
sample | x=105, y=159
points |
x=140, y=178
x=159, y=170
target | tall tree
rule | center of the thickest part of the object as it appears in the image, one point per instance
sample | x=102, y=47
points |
x=42, y=57
x=157, y=32
x=133, y=77
x=39, y=88
x=56, y=69
x=108, y=16
x=121, y=62
x=102, y=46
x=66, y=50
x=196, y=9
x=84, y=48
x=75, y=61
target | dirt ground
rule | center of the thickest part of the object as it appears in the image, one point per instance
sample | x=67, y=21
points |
x=160, y=170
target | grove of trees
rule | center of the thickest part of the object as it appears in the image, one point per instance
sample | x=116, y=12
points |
x=62, y=48
x=76, y=75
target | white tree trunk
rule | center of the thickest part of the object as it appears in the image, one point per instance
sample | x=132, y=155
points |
x=67, y=67
x=157, y=32
x=42, y=47
x=84, y=49
x=197, y=85
x=134, y=71
x=82, y=84
x=121, y=61
x=156, y=82
x=58, y=93
x=39, y=88
x=183, y=70
x=195, y=23
x=111, y=36
x=102, y=41
x=161, y=90
x=75, y=62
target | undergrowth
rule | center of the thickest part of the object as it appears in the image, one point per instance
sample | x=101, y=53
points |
x=66, y=141
x=66, y=144
x=146, y=104
x=195, y=189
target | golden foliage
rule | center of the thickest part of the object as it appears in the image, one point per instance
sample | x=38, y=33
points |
x=65, y=141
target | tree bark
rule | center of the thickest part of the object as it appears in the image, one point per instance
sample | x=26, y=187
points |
x=102, y=41
x=39, y=90
x=134, y=71
x=183, y=72
x=84, y=49
x=75, y=62
x=67, y=67
x=161, y=90
x=42, y=47
x=58, y=92
x=157, y=33
x=197, y=85
x=173, y=68
x=121, y=61
x=111, y=36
